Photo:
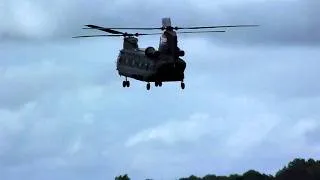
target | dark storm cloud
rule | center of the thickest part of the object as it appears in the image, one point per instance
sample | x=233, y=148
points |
x=282, y=22
x=287, y=22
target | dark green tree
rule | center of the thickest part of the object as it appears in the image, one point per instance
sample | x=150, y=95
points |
x=124, y=177
x=210, y=177
x=255, y=175
x=300, y=169
x=235, y=177
x=192, y=177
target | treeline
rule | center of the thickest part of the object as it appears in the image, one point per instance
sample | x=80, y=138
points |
x=298, y=169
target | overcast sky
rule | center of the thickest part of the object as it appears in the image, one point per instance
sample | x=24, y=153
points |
x=251, y=101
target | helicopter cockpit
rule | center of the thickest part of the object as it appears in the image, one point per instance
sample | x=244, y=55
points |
x=163, y=46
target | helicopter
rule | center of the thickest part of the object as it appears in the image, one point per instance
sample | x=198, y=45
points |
x=151, y=65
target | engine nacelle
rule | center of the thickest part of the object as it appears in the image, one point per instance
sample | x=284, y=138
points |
x=151, y=52
x=181, y=53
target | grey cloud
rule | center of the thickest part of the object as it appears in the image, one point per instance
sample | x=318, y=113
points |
x=282, y=22
x=27, y=76
x=313, y=136
x=287, y=72
x=288, y=22
x=66, y=140
x=257, y=137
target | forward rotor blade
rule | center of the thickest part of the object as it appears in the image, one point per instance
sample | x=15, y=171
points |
x=116, y=35
x=211, y=27
x=143, y=28
x=110, y=30
x=103, y=29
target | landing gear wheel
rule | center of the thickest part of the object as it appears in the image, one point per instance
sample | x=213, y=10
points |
x=183, y=85
x=148, y=86
x=126, y=83
x=158, y=83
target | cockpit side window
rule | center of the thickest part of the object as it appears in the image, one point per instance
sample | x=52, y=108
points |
x=163, y=39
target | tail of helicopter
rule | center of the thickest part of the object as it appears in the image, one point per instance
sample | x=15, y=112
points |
x=168, y=40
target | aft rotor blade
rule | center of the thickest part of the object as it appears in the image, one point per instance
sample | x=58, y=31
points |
x=112, y=35
x=183, y=32
x=211, y=27
x=193, y=27
x=146, y=34
x=190, y=32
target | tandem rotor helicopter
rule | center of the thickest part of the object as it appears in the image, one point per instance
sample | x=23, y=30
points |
x=163, y=64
